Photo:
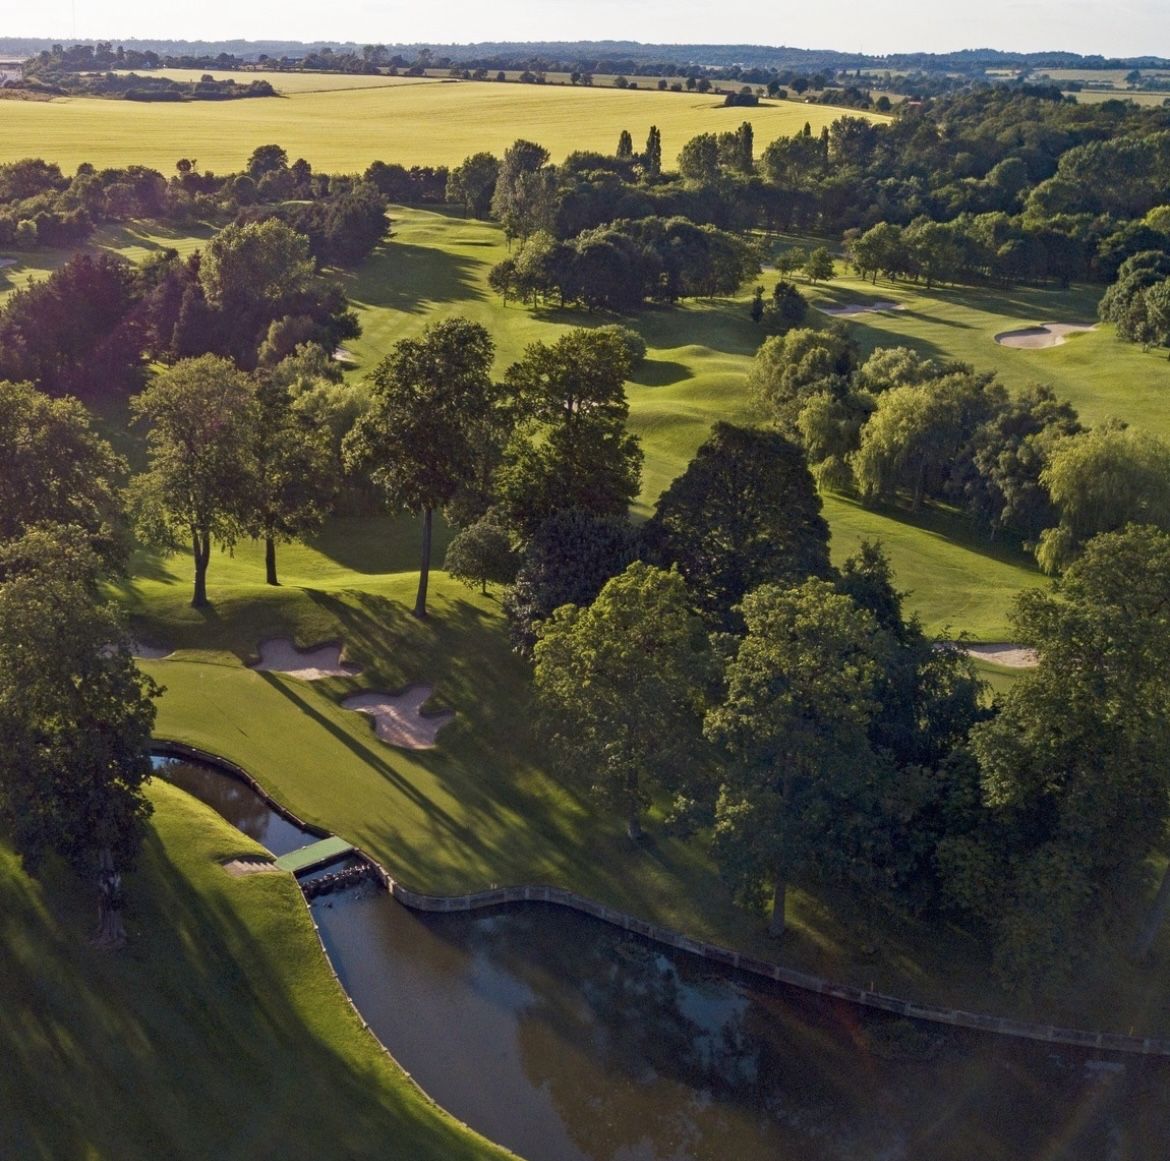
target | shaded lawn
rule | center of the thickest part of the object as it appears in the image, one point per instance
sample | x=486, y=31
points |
x=219, y=1032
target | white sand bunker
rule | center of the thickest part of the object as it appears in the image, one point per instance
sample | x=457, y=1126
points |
x=398, y=718
x=1012, y=656
x=861, y=308
x=1042, y=335
x=145, y=652
x=280, y=655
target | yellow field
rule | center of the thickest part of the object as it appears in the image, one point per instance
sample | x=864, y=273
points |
x=343, y=130
x=309, y=82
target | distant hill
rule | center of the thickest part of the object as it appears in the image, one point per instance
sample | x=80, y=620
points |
x=623, y=54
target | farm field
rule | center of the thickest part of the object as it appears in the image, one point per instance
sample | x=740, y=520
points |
x=344, y=130
x=285, y=83
x=220, y=1032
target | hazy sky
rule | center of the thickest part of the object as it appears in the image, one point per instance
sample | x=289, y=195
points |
x=1120, y=28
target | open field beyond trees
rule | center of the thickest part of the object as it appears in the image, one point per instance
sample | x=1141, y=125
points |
x=344, y=130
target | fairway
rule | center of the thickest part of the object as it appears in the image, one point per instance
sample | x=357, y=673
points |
x=344, y=130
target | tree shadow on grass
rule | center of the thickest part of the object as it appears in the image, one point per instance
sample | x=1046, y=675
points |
x=954, y=527
x=661, y=373
x=410, y=278
x=370, y=757
x=386, y=544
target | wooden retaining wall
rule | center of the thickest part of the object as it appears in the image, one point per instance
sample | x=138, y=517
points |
x=476, y=901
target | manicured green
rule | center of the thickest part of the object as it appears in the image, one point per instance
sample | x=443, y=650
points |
x=342, y=130
x=220, y=1032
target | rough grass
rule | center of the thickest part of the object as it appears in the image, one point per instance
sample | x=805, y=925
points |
x=343, y=130
x=220, y=1031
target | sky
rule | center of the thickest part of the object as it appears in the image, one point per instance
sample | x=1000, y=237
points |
x=1120, y=28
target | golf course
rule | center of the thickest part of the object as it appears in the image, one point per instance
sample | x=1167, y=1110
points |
x=418, y=739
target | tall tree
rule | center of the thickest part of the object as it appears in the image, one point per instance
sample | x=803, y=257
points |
x=574, y=450
x=1074, y=767
x=652, y=158
x=625, y=146
x=200, y=485
x=800, y=698
x=295, y=474
x=58, y=470
x=472, y=183
x=523, y=195
x=744, y=513
x=75, y=722
x=417, y=441
x=621, y=687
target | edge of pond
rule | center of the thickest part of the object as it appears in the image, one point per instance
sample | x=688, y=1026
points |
x=766, y=969
x=171, y=749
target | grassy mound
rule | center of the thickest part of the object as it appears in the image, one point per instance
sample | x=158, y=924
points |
x=220, y=1032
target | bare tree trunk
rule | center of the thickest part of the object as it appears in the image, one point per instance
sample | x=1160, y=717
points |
x=420, y=601
x=778, y=924
x=270, y=561
x=1144, y=943
x=202, y=554
x=111, y=932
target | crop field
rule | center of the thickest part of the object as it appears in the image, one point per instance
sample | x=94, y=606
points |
x=285, y=83
x=344, y=130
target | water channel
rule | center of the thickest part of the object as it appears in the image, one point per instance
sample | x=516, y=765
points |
x=568, y=1040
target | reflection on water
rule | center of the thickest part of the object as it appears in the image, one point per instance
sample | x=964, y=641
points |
x=568, y=1040
x=234, y=800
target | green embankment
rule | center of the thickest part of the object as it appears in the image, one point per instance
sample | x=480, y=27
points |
x=220, y=1032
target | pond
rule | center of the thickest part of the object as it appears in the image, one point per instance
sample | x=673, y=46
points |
x=568, y=1040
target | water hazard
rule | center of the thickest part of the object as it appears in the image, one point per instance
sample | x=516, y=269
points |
x=568, y=1040
x=234, y=800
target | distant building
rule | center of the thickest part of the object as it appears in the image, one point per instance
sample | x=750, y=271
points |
x=10, y=71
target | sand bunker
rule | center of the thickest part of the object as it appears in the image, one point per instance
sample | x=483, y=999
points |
x=1043, y=335
x=398, y=718
x=345, y=355
x=250, y=865
x=859, y=308
x=1012, y=656
x=8, y=262
x=145, y=652
x=280, y=655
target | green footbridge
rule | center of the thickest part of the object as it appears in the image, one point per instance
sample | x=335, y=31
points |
x=315, y=855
